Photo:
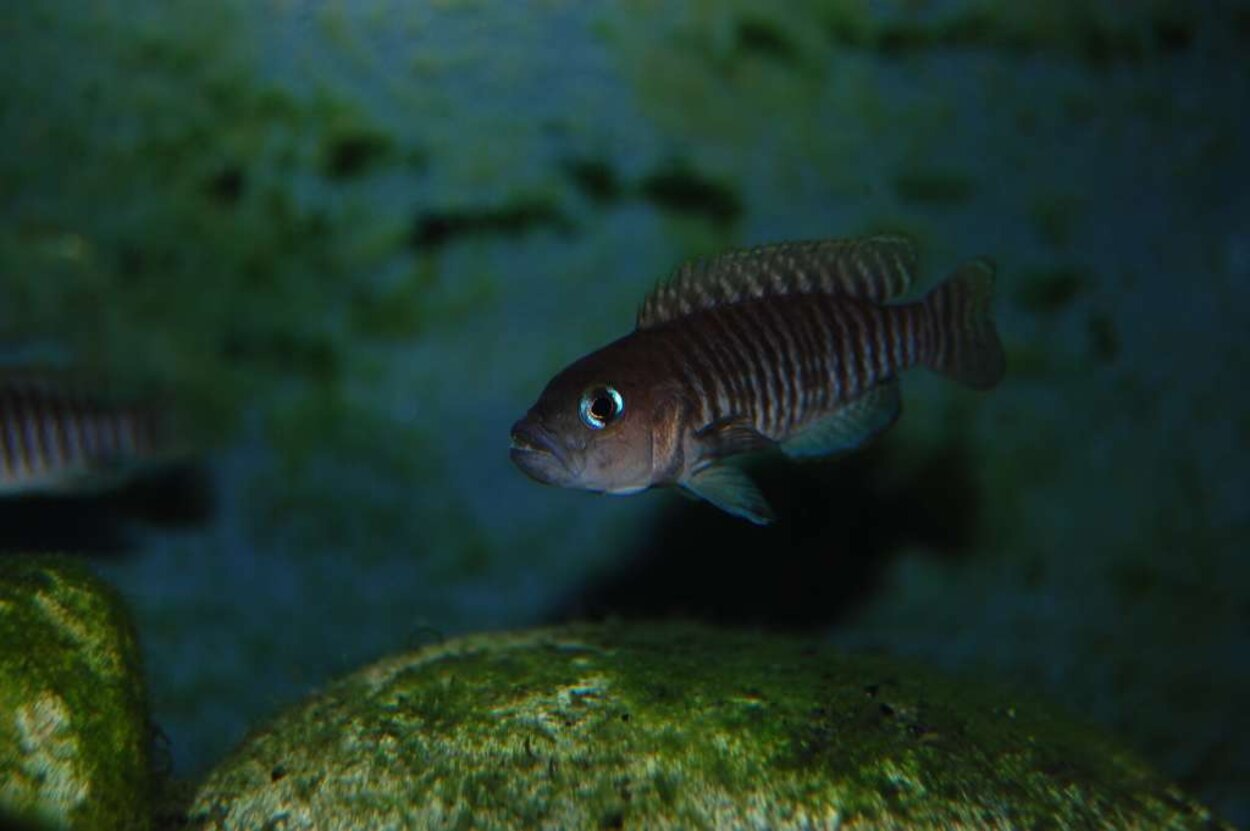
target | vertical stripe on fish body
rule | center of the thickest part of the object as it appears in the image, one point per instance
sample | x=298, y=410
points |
x=780, y=335
x=796, y=345
x=56, y=437
x=778, y=363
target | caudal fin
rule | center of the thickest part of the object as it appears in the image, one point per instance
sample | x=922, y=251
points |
x=963, y=343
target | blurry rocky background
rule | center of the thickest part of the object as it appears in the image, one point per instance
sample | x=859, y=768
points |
x=351, y=241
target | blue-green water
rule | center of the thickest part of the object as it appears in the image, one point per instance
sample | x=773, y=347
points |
x=353, y=241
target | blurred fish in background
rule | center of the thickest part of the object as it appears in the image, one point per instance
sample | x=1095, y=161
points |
x=78, y=462
x=57, y=438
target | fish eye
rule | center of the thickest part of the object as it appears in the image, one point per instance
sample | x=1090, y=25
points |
x=600, y=406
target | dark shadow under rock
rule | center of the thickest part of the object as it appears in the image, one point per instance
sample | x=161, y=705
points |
x=840, y=522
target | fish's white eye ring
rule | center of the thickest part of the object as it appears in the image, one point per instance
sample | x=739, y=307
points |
x=600, y=406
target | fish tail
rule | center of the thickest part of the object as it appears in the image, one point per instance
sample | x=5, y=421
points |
x=962, y=342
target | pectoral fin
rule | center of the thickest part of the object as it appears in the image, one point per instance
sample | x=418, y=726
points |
x=731, y=490
x=849, y=427
x=732, y=435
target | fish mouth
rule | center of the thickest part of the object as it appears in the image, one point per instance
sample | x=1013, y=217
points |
x=533, y=438
x=539, y=455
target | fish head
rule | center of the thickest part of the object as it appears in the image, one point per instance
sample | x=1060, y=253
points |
x=594, y=427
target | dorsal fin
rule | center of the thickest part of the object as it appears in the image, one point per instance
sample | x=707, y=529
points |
x=875, y=268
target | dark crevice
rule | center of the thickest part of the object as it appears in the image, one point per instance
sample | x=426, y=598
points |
x=348, y=156
x=434, y=229
x=1050, y=291
x=1104, y=340
x=678, y=188
x=1095, y=42
x=936, y=187
x=227, y=186
x=762, y=38
x=594, y=178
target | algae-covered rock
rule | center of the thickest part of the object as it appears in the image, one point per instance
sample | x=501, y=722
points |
x=674, y=726
x=73, y=728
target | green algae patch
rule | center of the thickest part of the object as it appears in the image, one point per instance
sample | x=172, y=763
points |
x=73, y=723
x=934, y=187
x=674, y=726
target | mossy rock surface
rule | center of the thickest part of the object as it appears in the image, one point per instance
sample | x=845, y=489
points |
x=674, y=726
x=73, y=718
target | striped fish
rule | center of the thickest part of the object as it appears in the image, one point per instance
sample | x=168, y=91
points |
x=56, y=437
x=796, y=346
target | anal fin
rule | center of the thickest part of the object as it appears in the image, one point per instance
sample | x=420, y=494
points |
x=848, y=427
x=731, y=490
